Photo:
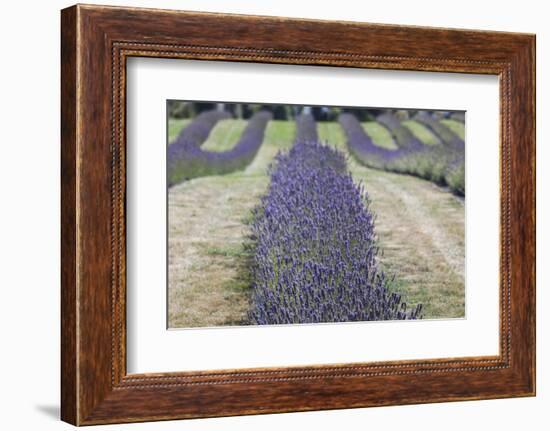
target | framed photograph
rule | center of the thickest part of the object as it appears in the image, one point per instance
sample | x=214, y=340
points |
x=264, y=214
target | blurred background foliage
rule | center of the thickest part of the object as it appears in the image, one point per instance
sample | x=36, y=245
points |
x=185, y=110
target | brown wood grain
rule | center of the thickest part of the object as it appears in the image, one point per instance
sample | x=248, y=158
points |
x=68, y=217
x=96, y=41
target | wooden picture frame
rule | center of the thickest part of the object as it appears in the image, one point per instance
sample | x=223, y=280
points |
x=95, y=43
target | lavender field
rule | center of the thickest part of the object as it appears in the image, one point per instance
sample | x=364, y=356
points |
x=291, y=216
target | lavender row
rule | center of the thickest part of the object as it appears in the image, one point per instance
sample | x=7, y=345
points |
x=306, y=128
x=455, y=151
x=191, y=161
x=447, y=136
x=198, y=130
x=441, y=164
x=402, y=135
x=458, y=116
x=316, y=258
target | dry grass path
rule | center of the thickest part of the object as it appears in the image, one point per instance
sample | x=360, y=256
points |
x=421, y=232
x=208, y=277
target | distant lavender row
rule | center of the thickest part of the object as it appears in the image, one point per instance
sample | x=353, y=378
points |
x=447, y=136
x=315, y=247
x=306, y=128
x=403, y=136
x=442, y=164
x=187, y=161
x=458, y=116
x=198, y=130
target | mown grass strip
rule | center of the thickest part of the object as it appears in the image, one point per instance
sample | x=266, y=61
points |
x=456, y=127
x=380, y=135
x=224, y=135
x=279, y=135
x=175, y=126
x=421, y=132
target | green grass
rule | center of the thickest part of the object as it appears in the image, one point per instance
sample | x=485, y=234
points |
x=330, y=134
x=380, y=135
x=456, y=127
x=175, y=126
x=224, y=135
x=279, y=135
x=421, y=132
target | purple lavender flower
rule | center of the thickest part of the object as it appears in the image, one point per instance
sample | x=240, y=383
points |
x=197, y=132
x=403, y=136
x=442, y=164
x=306, y=128
x=188, y=160
x=446, y=135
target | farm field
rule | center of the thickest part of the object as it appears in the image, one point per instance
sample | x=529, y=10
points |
x=419, y=228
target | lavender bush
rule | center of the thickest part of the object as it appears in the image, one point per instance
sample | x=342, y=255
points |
x=188, y=160
x=315, y=254
x=441, y=164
